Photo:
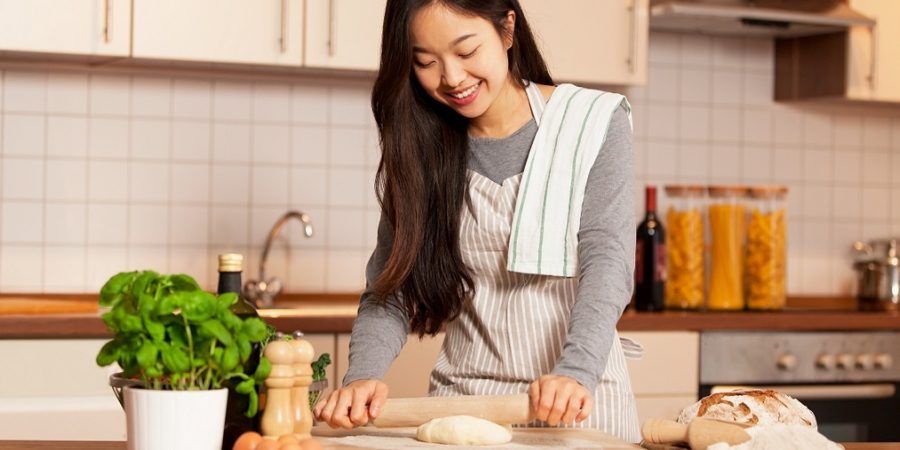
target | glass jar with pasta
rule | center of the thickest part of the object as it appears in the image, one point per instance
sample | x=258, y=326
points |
x=765, y=259
x=727, y=219
x=684, y=247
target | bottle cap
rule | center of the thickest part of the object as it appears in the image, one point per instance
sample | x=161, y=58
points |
x=231, y=262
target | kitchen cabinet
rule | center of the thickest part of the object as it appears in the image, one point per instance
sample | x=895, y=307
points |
x=410, y=372
x=590, y=41
x=82, y=27
x=859, y=64
x=266, y=32
x=343, y=34
x=53, y=389
x=666, y=379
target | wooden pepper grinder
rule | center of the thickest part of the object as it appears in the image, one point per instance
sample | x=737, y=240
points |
x=277, y=419
x=303, y=356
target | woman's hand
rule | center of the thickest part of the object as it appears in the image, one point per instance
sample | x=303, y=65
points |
x=352, y=405
x=557, y=399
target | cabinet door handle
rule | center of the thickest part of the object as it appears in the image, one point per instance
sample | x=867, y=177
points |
x=873, y=58
x=331, y=39
x=282, y=39
x=632, y=43
x=107, y=29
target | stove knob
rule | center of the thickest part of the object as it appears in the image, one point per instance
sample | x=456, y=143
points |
x=787, y=361
x=883, y=361
x=865, y=361
x=825, y=361
x=845, y=361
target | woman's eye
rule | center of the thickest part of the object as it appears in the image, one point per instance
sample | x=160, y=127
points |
x=423, y=65
x=470, y=54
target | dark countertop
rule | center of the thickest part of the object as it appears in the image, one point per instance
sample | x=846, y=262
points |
x=334, y=313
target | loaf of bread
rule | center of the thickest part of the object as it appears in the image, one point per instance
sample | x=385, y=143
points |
x=751, y=407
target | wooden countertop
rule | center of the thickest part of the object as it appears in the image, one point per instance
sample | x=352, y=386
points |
x=117, y=445
x=43, y=317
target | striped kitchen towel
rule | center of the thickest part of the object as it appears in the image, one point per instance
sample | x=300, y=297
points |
x=572, y=127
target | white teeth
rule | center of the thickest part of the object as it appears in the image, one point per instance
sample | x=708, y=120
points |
x=466, y=92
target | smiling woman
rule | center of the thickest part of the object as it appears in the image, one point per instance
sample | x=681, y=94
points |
x=506, y=221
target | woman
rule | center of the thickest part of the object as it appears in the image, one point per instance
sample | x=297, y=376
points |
x=526, y=270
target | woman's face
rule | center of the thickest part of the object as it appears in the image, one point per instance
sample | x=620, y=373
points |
x=461, y=61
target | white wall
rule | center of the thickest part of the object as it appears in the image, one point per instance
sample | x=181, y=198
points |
x=104, y=172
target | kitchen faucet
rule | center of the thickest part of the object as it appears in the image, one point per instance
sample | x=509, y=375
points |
x=264, y=291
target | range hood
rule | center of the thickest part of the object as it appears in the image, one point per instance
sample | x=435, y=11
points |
x=777, y=18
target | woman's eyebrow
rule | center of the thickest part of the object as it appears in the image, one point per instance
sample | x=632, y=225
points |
x=454, y=43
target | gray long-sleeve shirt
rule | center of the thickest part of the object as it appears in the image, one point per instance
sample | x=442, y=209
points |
x=605, y=250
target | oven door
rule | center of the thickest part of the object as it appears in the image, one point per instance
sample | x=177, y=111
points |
x=864, y=412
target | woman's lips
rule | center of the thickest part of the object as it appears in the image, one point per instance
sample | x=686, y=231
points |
x=468, y=98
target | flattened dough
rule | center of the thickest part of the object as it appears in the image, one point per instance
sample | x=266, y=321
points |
x=463, y=430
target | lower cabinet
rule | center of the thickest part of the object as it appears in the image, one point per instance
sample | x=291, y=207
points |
x=53, y=390
x=666, y=379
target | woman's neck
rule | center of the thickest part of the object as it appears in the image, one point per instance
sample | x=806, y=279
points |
x=509, y=112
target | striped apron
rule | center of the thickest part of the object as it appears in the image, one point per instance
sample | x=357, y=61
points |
x=517, y=327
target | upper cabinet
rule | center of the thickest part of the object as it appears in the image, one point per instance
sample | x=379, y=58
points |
x=344, y=34
x=591, y=41
x=231, y=31
x=82, y=27
x=859, y=64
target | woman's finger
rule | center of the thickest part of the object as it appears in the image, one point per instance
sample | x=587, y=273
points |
x=587, y=405
x=560, y=404
x=340, y=417
x=378, y=399
x=359, y=414
x=572, y=409
x=328, y=410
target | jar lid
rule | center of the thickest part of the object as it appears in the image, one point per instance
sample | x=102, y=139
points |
x=727, y=190
x=768, y=191
x=684, y=189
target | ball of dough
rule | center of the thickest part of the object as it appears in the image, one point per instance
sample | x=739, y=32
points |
x=463, y=430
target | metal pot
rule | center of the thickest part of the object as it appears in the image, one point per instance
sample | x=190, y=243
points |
x=878, y=271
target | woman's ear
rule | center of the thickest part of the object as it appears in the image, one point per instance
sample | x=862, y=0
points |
x=509, y=26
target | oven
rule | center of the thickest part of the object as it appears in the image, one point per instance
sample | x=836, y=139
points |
x=850, y=380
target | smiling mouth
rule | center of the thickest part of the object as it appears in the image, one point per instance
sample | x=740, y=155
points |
x=465, y=93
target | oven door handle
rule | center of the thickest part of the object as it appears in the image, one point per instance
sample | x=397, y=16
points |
x=824, y=391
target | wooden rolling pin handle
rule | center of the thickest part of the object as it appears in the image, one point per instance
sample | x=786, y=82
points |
x=412, y=412
x=699, y=434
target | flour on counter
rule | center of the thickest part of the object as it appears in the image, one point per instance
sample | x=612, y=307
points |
x=794, y=437
x=530, y=442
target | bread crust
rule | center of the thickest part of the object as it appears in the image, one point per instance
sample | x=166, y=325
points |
x=750, y=407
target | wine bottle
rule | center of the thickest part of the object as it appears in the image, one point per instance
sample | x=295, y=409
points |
x=650, y=259
x=236, y=422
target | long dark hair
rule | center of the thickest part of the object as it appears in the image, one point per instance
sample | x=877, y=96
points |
x=422, y=180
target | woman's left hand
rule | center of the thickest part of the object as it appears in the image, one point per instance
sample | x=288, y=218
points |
x=557, y=399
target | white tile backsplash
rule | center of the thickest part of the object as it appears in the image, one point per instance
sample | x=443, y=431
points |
x=110, y=172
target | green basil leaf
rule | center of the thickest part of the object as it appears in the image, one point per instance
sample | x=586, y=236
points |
x=262, y=369
x=111, y=292
x=255, y=329
x=245, y=387
x=224, y=301
x=217, y=355
x=147, y=355
x=244, y=349
x=176, y=359
x=146, y=303
x=177, y=336
x=215, y=328
x=109, y=353
x=230, y=359
x=111, y=321
x=198, y=306
x=182, y=282
x=153, y=372
x=142, y=282
x=131, y=324
x=253, y=407
x=156, y=330
x=230, y=320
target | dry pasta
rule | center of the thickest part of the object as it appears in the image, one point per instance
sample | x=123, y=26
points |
x=765, y=263
x=684, y=250
x=727, y=255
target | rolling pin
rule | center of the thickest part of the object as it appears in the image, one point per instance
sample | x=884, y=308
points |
x=412, y=412
x=699, y=434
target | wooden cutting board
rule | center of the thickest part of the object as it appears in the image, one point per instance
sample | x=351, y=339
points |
x=523, y=438
x=9, y=306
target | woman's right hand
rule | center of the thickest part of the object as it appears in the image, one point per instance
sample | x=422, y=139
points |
x=352, y=405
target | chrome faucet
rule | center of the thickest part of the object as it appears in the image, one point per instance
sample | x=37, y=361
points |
x=264, y=291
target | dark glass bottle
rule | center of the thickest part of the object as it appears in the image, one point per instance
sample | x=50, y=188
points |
x=236, y=423
x=650, y=259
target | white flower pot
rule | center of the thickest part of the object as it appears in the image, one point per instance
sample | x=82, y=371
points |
x=175, y=420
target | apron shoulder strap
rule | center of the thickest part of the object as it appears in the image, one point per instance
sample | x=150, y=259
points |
x=535, y=101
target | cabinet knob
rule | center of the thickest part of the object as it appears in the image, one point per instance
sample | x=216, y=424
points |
x=865, y=361
x=787, y=361
x=883, y=361
x=825, y=361
x=845, y=361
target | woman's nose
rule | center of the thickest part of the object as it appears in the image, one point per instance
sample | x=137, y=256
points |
x=453, y=74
